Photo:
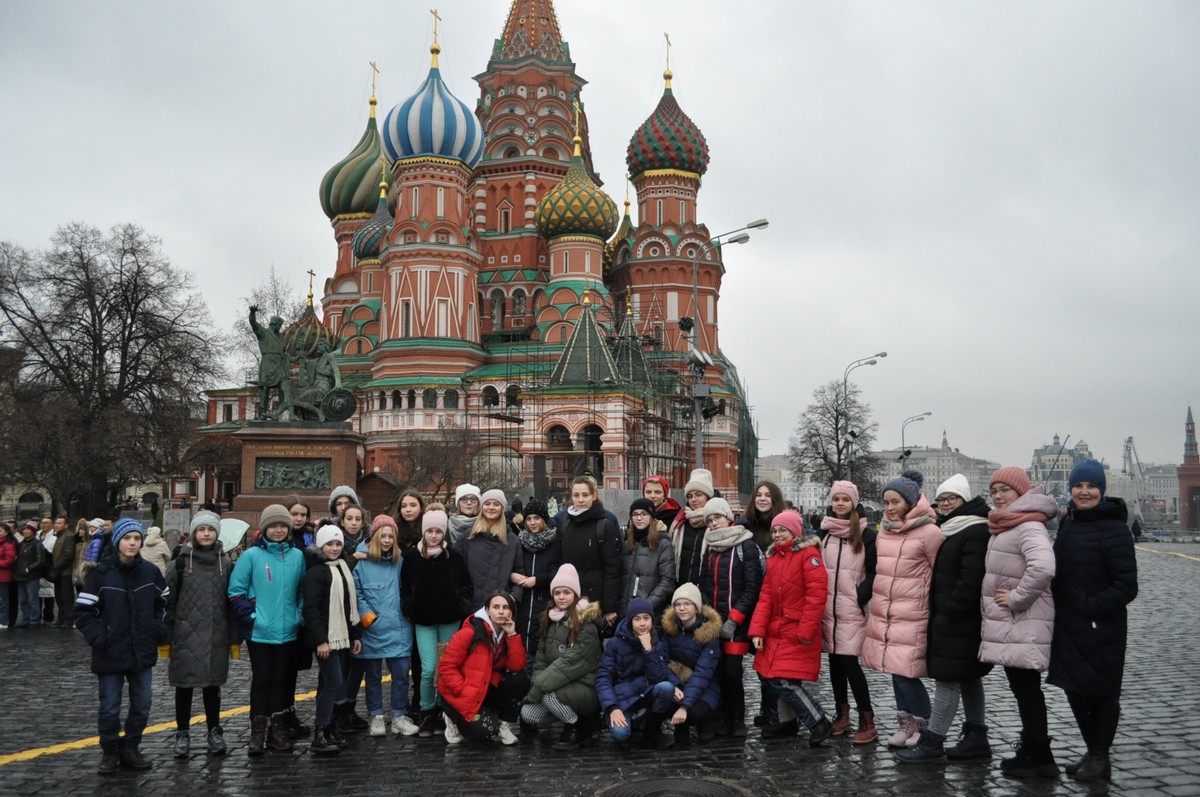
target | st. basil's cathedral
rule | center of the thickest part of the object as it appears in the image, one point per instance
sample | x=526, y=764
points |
x=490, y=298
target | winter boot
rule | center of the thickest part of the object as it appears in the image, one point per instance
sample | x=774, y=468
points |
x=781, y=730
x=737, y=722
x=110, y=762
x=428, y=720
x=586, y=728
x=972, y=743
x=1095, y=766
x=183, y=744
x=653, y=737
x=216, y=741
x=569, y=739
x=134, y=759
x=929, y=750
x=322, y=745
x=704, y=730
x=841, y=723
x=336, y=736
x=279, y=739
x=258, y=735
x=904, y=729
x=867, y=733
x=1034, y=758
x=296, y=728
x=919, y=726
x=818, y=733
x=343, y=717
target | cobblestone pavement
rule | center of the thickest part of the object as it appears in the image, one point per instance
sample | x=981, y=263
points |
x=48, y=698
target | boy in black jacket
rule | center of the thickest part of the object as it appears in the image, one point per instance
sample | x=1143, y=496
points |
x=122, y=612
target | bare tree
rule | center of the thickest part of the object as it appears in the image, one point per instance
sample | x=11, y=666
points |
x=273, y=296
x=116, y=347
x=834, y=437
x=436, y=464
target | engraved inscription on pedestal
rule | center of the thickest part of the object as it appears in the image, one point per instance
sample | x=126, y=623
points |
x=277, y=473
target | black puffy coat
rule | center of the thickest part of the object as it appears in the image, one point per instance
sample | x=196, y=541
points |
x=204, y=625
x=730, y=583
x=490, y=562
x=531, y=602
x=122, y=613
x=318, y=581
x=435, y=591
x=592, y=542
x=1094, y=580
x=955, y=617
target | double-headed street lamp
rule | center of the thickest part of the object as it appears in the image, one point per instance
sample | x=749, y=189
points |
x=698, y=360
x=904, y=452
x=846, y=433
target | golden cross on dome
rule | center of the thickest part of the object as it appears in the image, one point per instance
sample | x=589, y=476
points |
x=374, y=73
x=436, y=19
x=667, y=36
x=311, y=275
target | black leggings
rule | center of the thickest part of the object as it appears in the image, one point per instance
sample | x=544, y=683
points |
x=733, y=691
x=1026, y=686
x=183, y=706
x=845, y=670
x=1097, y=718
x=272, y=668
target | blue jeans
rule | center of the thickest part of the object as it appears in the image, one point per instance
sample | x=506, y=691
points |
x=30, y=603
x=792, y=693
x=398, y=667
x=331, y=684
x=911, y=696
x=660, y=699
x=109, y=720
x=428, y=639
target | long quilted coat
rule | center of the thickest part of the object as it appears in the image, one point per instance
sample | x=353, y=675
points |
x=1020, y=559
x=789, y=611
x=688, y=656
x=851, y=580
x=898, y=627
x=1096, y=579
x=955, y=619
x=204, y=626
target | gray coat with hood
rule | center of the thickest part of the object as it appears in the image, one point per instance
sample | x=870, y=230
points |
x=204, y=626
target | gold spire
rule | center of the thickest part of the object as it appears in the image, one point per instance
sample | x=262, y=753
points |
x=667, y=74
x=577, y=140
x=373, y=100
x=627, y=195
x=383, y=185
x=435, y=48
x=311, y=274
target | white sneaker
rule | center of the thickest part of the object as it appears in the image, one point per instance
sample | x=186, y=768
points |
x=378, y=727
x=403, y=726
x=506, y=735
x=453, y=734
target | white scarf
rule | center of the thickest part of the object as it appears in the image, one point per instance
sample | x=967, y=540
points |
x=340, y=585
x=956, y=524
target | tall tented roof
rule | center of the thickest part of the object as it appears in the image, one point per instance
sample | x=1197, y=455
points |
x=628, y=355
x=577, y=206
x=531, y=31
x=349, y=186
x=586, y=359
x=433, y=123
x=1190, y=450
x=668, y=139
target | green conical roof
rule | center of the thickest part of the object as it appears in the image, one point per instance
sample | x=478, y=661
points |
x=586, y=359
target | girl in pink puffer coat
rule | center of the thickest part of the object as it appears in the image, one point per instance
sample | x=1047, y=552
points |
x=848, y=549
x=1018, y=610
x=898, y=627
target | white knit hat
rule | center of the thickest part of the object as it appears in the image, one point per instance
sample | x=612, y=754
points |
x=463, y=490
x=956, y=485
x=329, y=533
x=700, y=480
x=718, y=506
x=495, y=495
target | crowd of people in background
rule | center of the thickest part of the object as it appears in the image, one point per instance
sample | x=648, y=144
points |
x=497, y=621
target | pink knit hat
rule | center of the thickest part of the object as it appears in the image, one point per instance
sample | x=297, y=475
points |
x=1014, y=477
x=434, y=519
x=844, y=488
x=381, y=521
x=567, y=576
x=791, y=521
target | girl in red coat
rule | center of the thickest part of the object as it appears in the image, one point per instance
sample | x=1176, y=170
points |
x=481, y=676
x=786, y=628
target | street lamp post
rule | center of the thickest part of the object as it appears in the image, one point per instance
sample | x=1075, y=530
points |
x=698, y=361
x=903, y=426
x=859, y=363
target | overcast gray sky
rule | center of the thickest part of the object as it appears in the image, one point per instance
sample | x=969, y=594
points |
x=1004, y=196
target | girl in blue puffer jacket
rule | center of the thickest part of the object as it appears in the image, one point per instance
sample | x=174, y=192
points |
x=623, y=683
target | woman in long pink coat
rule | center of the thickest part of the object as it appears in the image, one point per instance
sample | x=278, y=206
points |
x=898, y=627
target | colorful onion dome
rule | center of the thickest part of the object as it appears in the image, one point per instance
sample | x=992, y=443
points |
x=301, y=338
x=349, y=187
x=433, y=123
x=369, y=240
x=668, y=139
x=577, y=206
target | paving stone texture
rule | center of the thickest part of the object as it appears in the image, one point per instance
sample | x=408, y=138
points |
x=48, y=697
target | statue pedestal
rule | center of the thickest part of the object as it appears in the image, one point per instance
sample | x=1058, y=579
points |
x=306, y=458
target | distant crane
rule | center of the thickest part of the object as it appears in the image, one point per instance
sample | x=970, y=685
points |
x=1131, y=465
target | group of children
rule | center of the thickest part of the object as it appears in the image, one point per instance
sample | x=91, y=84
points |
x=508, y=622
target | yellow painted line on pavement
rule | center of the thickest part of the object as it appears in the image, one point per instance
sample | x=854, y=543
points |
x=1147, y=550
x=94, y=741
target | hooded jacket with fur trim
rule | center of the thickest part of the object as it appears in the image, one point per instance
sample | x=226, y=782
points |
x=687, y=656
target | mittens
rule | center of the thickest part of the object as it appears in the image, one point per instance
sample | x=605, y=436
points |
x=728, y=628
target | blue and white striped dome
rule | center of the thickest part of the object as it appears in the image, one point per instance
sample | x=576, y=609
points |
x=433, y=123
